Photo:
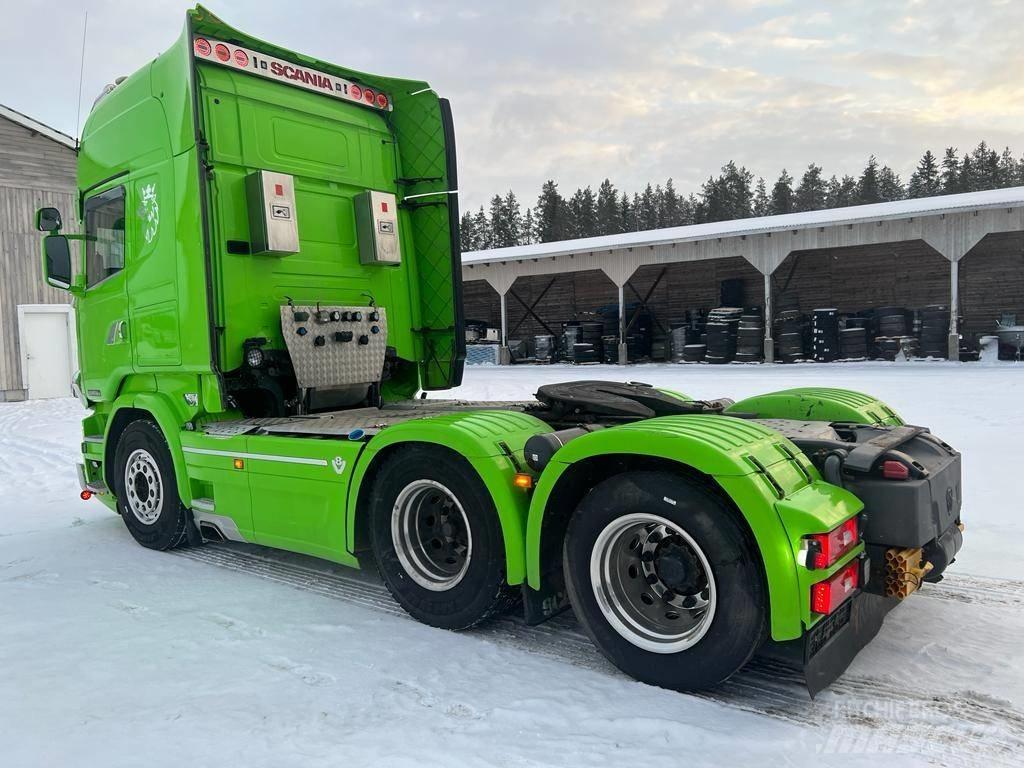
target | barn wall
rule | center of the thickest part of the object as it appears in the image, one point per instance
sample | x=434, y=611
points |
x=992, y=282
x=34, y=171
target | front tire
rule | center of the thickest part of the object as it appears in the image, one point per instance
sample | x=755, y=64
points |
x=437, y=539
x=665, y=580
x=146, y=488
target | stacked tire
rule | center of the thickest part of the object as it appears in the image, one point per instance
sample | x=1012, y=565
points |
x=722, y=326
x=693, y=353
x=750, y=337
x=853, y=339
x=545, y=348
x=582, y=342
x=934, y=330
x=790, y=336
x=825, y=334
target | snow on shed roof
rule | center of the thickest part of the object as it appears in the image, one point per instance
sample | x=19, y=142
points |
x=34, y=125
x=856, y=214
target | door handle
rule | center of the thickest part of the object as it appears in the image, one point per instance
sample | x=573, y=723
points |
x=117, y=333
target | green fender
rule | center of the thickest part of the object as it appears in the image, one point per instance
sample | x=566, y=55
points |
x=819, y=404
x=729, y=450
x=477, y=436
x=170, y=418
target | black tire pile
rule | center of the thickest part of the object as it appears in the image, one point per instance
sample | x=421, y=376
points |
x=545, y=348
x=750, y=337
x=722, y=327
x=853, y=339
x=934, y=330
x=789, y=335
x=825, y=335
x=582, y=342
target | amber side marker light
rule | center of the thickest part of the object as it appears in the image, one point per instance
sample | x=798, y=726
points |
x=239, y=464
x=523, y=480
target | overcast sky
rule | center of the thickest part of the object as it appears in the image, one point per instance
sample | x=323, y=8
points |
x=584, y=89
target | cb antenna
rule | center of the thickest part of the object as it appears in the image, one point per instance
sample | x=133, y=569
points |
x=81, y=79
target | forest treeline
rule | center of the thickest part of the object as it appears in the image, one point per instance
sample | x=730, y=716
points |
x=733, y=194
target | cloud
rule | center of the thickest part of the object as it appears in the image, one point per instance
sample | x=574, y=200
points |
x=582, y=89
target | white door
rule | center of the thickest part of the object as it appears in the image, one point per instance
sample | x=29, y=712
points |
x=46, y=353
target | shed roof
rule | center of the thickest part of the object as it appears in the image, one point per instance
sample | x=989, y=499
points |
x=37, y=127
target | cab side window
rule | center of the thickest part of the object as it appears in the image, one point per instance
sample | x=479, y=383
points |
x=104, y=231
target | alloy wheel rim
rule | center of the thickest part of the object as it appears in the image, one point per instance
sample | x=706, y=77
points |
x=431, y=535
x=653, y=583
x=143, y=484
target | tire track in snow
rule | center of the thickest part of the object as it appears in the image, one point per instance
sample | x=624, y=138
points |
x=856, y=714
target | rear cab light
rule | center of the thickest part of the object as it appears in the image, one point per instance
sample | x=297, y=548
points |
x=829, y=594
x=823, y=550
x=895, y=470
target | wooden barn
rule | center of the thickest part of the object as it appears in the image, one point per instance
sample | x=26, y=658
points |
x=37, y=351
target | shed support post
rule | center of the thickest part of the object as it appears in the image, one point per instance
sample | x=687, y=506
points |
x=953, y=345
x=769, y=342
x=623, y=349
x=504, y=356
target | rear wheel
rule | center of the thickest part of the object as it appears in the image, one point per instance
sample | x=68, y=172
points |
x=437, y=539
x=665, y=580
x=146, y=488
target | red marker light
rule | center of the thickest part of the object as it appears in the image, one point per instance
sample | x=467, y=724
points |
x=86, y=495
x=355, y=92
x=279, y=190
x=202, y=46
x=382, y=101
x=828, y=595
x=824, y=549
x=368, y=96
x=383, y=207
x=222, y=52
x=241, y=58
x=895, y=470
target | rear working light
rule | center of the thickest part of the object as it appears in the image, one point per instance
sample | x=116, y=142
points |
x=824, y=549
x=895, y=470
x=828, y=595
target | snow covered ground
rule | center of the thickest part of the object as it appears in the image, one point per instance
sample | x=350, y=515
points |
x=113, y=655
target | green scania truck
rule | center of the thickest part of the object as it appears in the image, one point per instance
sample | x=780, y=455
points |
x=266, y=280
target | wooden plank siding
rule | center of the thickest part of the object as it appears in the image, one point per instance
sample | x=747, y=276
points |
x=34, y=171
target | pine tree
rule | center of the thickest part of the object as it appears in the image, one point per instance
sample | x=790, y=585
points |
x=782, y=195
x=526, y=232
x=760, y=204
x=689, y=209
x=627, y=221
x=513, y=214
x=868, y=186
x=890, y=185
x=550, y=214
x=646, y=211
x=503, y=234
x=671, y=207
x=966, y=174
x=586, y=215
x=950, y=178
x=467, y=233
x=985, y=168
x=810, y=195
x=483, y=230
x=925, y=181
x=1009, y=171
x=736, y=183
x=609, y=220
x=841, y=192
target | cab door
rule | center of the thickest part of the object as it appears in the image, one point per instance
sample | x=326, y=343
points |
x=102, y=310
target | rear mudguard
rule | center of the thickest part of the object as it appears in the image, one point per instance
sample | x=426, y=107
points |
x=819, y=404
x=491, y=441
x=775, y=488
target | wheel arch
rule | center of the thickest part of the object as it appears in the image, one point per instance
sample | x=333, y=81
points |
x=154, y=407
x=569, y=478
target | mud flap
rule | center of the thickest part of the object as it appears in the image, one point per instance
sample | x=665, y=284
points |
x=826, y=651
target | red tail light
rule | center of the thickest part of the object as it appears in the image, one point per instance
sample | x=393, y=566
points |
x=85, y=495
x=355, y=92
x=895, y=470
x=369, y=95
x=382, y=101
x=824, y=549
x=828, y=595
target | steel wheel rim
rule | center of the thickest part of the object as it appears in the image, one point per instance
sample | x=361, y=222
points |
x=431, y=535
x=653, y=583
x=144, y=489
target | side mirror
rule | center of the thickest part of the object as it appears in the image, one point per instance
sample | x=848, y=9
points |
x=57, y=261
x=48, y=220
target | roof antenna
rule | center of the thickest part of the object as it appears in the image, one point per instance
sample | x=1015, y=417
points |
x=81, y=79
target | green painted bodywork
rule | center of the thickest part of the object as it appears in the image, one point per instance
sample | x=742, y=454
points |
x=185, y=134
x=819, y=404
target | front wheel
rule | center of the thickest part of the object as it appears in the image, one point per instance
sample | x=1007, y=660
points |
x=146, y=488
x=665, y=580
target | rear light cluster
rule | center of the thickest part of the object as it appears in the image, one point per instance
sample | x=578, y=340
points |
x=824, y=549
x=829, y=594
